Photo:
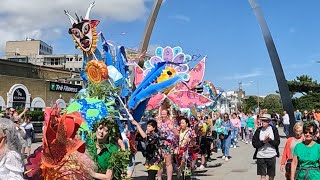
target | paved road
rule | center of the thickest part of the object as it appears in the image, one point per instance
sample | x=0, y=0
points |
x=240, y=166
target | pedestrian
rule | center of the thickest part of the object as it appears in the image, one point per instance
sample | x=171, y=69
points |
x=21, y=132
x=291, y=143
x=13, y=114
x=11, y=165
x=28, y=127
x=266, y=140
x=249, y=128
x=154, y=158
x=216, y=141
x=316, y=115
x=186, y=154
x=243, y=118
x=208, y=121
x=225, y=137
x=286, y=123
x=235, y=131
x=306, y=155
x=297, y=115
x=202, y=129
x=168, y=133
x=305, y=116
x=275, y=118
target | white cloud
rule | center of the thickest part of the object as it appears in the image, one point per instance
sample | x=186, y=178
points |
x=180, y=17
x=254, y=73
x=40, y=19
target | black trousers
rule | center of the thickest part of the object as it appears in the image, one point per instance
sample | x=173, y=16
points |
x=152, y=174
x=243, y=133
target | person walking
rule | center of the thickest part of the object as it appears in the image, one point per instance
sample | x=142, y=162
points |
x=168, y=132
x=154, y=156
x=266, y=140
x=286, y=123
x=235, y=131
x=28, y=127
x=305, y=116
x=249, y=128
x=297, y=115
x=218, y=130
x=291, y=143
x=306, y=155
x=243, y=118
x=225, y=137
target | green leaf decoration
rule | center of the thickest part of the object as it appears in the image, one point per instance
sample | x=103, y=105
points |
x=73, y=107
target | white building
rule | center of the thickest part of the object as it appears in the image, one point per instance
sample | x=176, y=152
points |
x=229, y=101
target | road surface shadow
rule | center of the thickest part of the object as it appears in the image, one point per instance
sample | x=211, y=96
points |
x=214, y=165
x=229, y=157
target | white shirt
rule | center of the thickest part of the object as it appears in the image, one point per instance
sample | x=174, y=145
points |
x=266, y=151
x=11, y=167
x=286, y=119
x=27, y=125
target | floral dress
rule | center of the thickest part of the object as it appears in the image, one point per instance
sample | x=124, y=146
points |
x=169, y=140
x=154, y=156
x=184, y=145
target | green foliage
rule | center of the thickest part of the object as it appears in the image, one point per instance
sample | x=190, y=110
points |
x=307, y=102
x=34, y=115
x=101, y=91
x=310, y=90
x=119, y=162
x=251, y=103
x=304, y=84
x=272, y=102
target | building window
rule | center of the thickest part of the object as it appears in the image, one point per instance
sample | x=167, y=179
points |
x=52, y=61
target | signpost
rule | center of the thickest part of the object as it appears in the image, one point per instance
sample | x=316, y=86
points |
x=61, y=87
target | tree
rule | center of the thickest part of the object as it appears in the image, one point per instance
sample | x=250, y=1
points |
x=310, y=90
x=249, y=104
x=304, y=84
x=272, y=102
x=307, y=102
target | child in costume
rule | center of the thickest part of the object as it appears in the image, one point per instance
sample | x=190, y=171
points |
x=186, y=146
x=154, y=156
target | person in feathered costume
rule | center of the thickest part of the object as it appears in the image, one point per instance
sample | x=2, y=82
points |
x=61, y=155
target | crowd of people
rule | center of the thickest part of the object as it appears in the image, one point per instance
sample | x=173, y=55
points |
x=176, y=143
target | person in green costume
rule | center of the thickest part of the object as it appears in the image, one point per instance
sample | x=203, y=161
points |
x=306, y=156
x=101, y=149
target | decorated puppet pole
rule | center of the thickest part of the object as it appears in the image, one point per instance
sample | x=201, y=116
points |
x=276, y=63
x=123, y=135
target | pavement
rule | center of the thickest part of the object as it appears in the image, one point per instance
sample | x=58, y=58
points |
x=240, y=166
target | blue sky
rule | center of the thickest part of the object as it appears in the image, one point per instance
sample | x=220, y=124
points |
x=224, y=30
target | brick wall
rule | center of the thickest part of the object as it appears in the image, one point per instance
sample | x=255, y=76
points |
x=35, y=78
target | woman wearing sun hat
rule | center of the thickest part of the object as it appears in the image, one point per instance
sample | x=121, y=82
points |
x=266, y=140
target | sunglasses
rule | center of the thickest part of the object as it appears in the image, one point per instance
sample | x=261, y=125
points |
x=308, y=132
